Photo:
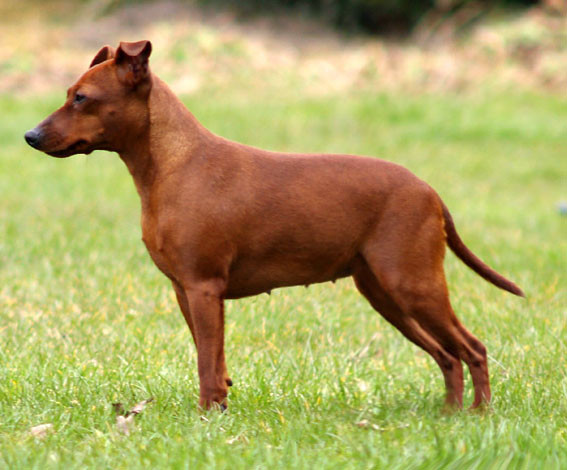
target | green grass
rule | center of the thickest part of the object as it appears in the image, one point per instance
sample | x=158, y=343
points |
x=87, y=320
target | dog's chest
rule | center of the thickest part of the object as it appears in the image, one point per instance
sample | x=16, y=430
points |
x=154, y=242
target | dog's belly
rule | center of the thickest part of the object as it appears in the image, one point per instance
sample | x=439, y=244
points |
x=251, y=276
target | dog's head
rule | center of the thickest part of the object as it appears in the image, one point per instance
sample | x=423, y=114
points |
x=104, y=108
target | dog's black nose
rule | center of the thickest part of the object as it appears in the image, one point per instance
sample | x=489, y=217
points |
x=33, y=138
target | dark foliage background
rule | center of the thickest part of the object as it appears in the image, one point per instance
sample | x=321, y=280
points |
x=373, y=16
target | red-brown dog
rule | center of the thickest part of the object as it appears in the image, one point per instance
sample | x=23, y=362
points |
x=223, y=220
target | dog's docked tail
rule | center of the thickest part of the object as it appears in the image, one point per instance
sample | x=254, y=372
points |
x=471, y=260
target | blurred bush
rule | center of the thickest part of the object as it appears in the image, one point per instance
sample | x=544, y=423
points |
x=374, y=16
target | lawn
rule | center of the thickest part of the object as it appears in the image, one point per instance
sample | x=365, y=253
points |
x=320, y=379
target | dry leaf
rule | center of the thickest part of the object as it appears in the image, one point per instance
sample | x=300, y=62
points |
x=139, y=407
x=125, y=420
x=238, y=438
x=366, y=424
x=41, y=430
x=125, y=424
x=118, y=408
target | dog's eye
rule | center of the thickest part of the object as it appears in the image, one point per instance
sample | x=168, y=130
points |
x=79, y=98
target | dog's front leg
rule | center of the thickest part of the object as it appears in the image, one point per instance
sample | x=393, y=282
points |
x=184, y=306
x=206, y=309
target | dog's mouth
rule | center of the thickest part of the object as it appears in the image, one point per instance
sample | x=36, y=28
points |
x=80, y=146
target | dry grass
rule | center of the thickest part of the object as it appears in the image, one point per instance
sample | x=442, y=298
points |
x=196, y=49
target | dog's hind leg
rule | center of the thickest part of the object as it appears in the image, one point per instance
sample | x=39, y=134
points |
x=474, y=354
x=447, y=359
x=405, y=259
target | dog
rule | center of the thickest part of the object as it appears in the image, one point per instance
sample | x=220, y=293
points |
x=224, y=220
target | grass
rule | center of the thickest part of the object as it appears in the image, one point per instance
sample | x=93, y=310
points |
x=87, y=320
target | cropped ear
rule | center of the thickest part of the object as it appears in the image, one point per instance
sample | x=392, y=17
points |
x=132, y=62
x=105, y=53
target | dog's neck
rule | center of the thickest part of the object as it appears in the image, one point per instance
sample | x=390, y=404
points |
x=169, y=140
